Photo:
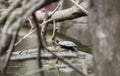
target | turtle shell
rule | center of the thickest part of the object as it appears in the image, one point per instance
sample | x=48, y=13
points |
x=67, y=43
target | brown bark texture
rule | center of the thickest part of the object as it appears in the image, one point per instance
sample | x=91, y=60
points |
x=104, y=21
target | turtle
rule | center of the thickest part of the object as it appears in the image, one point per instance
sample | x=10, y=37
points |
x=69, y=45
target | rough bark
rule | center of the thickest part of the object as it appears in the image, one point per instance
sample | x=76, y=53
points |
x=104, y=20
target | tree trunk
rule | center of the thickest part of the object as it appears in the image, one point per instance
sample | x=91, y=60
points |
x=104, y=22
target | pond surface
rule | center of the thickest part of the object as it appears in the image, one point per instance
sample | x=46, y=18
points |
x=29, y=67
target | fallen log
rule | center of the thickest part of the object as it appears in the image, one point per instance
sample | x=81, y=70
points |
x=32, y=54
x=66, y=14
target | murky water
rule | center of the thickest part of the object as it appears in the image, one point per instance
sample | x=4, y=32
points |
x=29, y=67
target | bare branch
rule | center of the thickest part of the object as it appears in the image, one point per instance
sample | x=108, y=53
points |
x=54, y=30
x=31, y=23
x=9, y=52
x=44, y=27
x=40, y=45
x=75, y=3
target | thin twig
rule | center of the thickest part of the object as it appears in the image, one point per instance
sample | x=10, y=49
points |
x=75, y=3
x=54, y=30
x=44, y=27
x=58, y=6
x=31, y=23
x=40, y=45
